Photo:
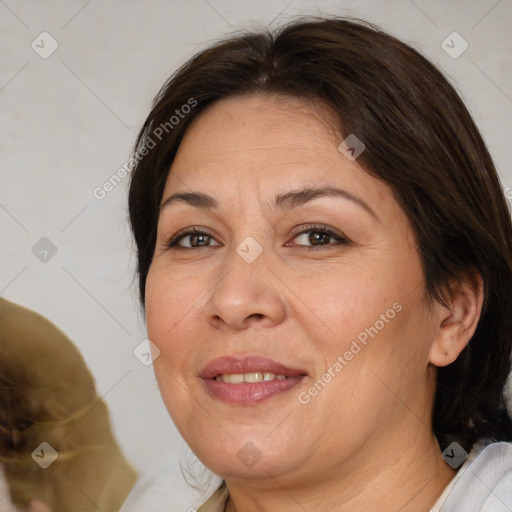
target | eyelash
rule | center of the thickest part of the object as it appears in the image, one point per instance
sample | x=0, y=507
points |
x=317, y=228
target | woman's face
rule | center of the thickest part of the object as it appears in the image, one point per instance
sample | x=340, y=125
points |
x=294, y=329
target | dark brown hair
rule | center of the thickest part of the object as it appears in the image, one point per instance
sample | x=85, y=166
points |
x=420, y=140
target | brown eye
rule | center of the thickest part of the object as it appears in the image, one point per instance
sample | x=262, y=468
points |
x=319, y=236
x=192, y=240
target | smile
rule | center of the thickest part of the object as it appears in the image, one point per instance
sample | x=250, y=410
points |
x=252, y=377
x=248, y=380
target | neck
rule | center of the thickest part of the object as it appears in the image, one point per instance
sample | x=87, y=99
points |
x=406, y=477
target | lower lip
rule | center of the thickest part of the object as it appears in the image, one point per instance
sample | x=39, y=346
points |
x=251, y=393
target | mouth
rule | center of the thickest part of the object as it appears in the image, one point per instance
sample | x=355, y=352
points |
x=249, y=379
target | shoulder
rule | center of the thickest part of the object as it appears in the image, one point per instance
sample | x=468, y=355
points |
x=483, y=483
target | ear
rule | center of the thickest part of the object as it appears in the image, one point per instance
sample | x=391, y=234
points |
x=458, y=320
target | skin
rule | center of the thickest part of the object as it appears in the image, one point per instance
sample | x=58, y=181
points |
x=364, y=442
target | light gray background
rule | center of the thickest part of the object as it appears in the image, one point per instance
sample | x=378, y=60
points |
x=68, y=123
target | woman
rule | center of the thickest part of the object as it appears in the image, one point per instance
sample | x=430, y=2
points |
x=324, y=253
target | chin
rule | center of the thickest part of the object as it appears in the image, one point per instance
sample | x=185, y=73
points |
x=251, y=466
x=243, y=457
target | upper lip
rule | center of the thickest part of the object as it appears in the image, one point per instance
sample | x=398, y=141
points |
x=229, y=365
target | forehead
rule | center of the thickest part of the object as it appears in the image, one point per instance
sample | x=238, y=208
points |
x=266, y=125
x=267, y=143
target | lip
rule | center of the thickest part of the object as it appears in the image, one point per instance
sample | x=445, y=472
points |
x=247, y=393
x=232, y=365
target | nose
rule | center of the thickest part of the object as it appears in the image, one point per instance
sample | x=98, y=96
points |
x=246, y=294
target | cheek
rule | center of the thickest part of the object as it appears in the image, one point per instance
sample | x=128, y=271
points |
x=376, y=315
x=368, y=376
x=352, y=304
x=362, y=298
x=173, y=310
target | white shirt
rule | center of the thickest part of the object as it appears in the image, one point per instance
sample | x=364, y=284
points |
x=483, y=483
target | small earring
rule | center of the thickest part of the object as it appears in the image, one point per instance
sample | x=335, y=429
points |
x=445, y=352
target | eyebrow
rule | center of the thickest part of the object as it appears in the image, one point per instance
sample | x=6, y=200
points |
x=286, y=200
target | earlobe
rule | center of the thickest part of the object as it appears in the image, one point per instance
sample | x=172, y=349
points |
x=458, y=320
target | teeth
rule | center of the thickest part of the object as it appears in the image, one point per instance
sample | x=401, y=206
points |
x=253, y=377
x=234, y=379
x=238, y=378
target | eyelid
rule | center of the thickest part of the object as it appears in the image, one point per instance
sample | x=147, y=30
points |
x=299, y=230
x=305, y=228
x=183, y=233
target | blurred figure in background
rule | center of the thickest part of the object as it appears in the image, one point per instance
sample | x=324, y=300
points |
x=57, y=448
